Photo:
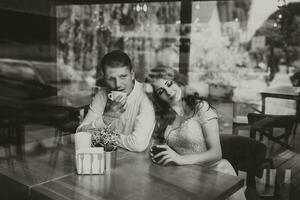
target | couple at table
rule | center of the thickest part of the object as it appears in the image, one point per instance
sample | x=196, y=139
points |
x=189, y=123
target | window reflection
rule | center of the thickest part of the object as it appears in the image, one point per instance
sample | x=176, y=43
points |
x=227, y=40
x=87, y=32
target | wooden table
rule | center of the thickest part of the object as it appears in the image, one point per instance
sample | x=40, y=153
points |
x=51, y=175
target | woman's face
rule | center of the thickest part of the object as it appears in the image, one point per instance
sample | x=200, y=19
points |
x=167, y=90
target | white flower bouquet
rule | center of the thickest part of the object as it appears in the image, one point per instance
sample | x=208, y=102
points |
x=105, y=137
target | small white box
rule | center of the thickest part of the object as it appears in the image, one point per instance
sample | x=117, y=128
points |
x=90, y=160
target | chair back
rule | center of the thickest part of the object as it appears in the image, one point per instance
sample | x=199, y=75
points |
x=258, y=121
x=281, y=100
x=265, y=124
x=244, y=153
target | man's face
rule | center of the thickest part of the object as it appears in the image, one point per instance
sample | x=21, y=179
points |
x=119, y=78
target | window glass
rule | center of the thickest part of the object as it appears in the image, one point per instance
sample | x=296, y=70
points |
x=148, y=32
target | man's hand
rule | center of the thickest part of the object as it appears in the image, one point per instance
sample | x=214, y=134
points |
x=117, y=106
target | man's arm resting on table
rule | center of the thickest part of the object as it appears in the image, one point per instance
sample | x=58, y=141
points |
x=106, y=120
x=139, y=139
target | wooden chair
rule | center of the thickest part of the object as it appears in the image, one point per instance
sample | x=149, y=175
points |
x=288, y=96
x=11, y=131
x=245, y=154
x=250, y=156
x=265, y=123
x=5, y=137
x=240, y=111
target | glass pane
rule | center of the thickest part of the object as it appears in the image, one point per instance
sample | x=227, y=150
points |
x=218, y=41
x=149, y=33
x=228, y=47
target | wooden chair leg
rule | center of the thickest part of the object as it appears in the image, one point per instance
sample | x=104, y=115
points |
x=261, y=137
x=266, y=185
x=252, y=133
x=288, y=133
x=251, y=181
x=295, y=130
x=234, y=129
x=56, y=135
x=20, y=142
x=283, y=185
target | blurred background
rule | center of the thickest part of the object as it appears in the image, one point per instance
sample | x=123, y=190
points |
x=219, y=45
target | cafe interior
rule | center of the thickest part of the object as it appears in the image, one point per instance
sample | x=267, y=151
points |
x=241, y=56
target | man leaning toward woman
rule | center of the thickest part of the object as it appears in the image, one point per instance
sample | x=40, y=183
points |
x=132, y=115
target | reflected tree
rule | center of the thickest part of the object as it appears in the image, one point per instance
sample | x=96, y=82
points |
x=282, y=30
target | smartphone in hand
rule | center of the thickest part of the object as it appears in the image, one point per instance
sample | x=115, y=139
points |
x=155, y=150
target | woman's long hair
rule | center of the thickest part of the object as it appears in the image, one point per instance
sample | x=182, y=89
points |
x=165, y=115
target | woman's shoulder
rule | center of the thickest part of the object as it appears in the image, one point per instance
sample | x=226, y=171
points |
x=205, y=112
x=202, y=106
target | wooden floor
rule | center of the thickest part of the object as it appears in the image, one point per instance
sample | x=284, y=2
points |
x=43, y=137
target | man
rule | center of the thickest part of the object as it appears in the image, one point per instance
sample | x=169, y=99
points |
x=133, y=116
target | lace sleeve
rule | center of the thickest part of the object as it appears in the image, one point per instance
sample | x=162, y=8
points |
x=205, y=112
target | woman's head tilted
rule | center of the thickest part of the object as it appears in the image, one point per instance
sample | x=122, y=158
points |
x=170, y=87
x=171, y=97
x=166, y=84
x=167, y=90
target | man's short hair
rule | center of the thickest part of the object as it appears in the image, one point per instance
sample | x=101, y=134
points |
x=115, y=58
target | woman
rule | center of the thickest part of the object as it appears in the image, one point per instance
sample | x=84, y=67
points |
x=190, y=129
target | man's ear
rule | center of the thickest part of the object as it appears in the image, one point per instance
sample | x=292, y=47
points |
x=132, y=74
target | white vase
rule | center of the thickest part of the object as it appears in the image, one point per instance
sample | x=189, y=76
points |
x=110, y=159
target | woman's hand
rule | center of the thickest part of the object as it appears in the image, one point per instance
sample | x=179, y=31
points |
x=167, y=155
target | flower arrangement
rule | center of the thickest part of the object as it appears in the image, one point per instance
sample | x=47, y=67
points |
x=105, y=137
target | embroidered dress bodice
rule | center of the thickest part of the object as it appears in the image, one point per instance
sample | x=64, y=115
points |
x=185, y=135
